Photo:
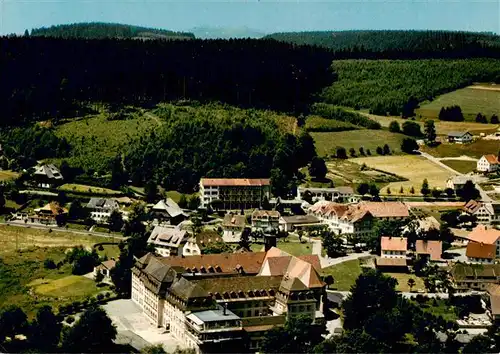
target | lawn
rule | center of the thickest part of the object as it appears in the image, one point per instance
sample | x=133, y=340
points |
x=110, y=251
x=440, y=308
x=81, y=188
x=18, y=237
x=442, y=127
x=7, y=175
x=70, y=287
x=462, y=166
x=368, y=139
x=348, y=172
x=23, y=270
x=414, y=168
x=403, y=278
x=476, y=149
x=293, y=248
x=344, y=274
x=472, y=100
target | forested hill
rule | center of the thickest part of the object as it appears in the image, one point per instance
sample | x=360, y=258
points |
x=99, y=30
x=391, y=40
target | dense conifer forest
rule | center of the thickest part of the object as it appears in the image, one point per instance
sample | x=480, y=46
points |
x=396, y=87
x=47, y=77
x=420, y=42
x=99, y=30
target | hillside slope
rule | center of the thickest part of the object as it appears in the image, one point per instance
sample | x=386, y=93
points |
x=100, y=30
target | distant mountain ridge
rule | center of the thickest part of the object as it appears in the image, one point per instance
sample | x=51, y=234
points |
x=210, y=32
x=383, y=40
x=101, y=30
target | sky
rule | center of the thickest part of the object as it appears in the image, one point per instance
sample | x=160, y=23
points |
x=262, y=15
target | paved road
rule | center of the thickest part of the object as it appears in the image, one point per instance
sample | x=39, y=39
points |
x=55, y=228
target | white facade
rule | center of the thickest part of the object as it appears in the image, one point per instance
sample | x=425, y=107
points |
x=483, y=165
x=191, y=248
x=460, y=138
x=480, y=260
x=341, y=194
x=208, y=194
x=393, y=254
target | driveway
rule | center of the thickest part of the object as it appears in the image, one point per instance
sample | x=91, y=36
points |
x=135, y=329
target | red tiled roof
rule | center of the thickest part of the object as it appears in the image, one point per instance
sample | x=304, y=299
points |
x=432, y=248
x=480, y=250
x=492, y=159
x=243, y=182
x=388, y=243
x=386, y=209
x=484, y=235
x=472, y=206
x=249, y=261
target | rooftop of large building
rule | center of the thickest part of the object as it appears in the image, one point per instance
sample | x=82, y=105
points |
x=167, y=236
x=388, y=243
x=102, y=203
x=168, y=206
x=483, y=234
x=480, y=250
x=462, y=271
x=355, y=212
x=50, y=171
x=431, y=247
x=235, y=182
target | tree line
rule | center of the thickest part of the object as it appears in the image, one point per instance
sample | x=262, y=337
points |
x=101, y=30
x=396, y=87
x=45, y=78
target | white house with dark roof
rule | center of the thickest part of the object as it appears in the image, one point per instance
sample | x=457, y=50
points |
x=167, y=240
x=101, y=209
x=339, y=194
x=167, y=212
x=459, y=137
x=47, y=176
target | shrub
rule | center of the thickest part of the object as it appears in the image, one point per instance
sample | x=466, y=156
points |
x=70, y=319
x=49, y=264
x=100, y=297
x=394, y=127
x=101, y=248
x=379, y=150
x=107, y=295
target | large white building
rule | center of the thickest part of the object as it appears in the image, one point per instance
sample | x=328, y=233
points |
x=338, y=194
x=224, y=302
x=357, y=218
x=234, y=193
x=488, y=163
x=486, y=213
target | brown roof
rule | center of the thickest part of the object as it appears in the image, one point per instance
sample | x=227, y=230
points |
x=472, y=206
x=391, y=262
x=432, y=248
x=226, y=262
x=313, y=259
x=492, y=159
x=389, y=243
x=484, y=235
x=243, y=182
x=386, y=209
x=234, y=220
x=300, y=219
x=109, y=264
x=480, y=250
x=271, y=213
x=241, y=286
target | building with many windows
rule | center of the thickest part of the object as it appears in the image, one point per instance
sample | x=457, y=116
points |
x=234, y=193
x=484, y=245
x=215, y=303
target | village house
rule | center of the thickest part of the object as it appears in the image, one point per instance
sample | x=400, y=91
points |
x=105, y=269
x=50, y=214
x=234, y=193
x=232, y=227
x=167, y=212
x=357, y=218
x=457, y=182
x=467, y=277
x=167, y=240
x=101, y=209
x=393, y=247
x=339, y=194
x=224, y=302
x=47, y=176
x=486, y=213
x=431, y=249
x=265, y=219
x=195, y=244
x=300, y=222
x=459, y=137
x=488, y=163
x=493, y=301
x=483, y=245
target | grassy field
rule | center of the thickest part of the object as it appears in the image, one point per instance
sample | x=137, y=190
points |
x=414, y=168
x=345, y=274
x=345, y=172
x=440, y=308
x=368, y=139
x=294, y=248
x=176, y=196
x=22, y=271
x=320, y=124
x=7, y=175
x=476, y=149
x=462, y=166
x=472, y=100
x=16, y=237
x=442, y=127
x=403, y=278
x=110, y=251
x=81, y=188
